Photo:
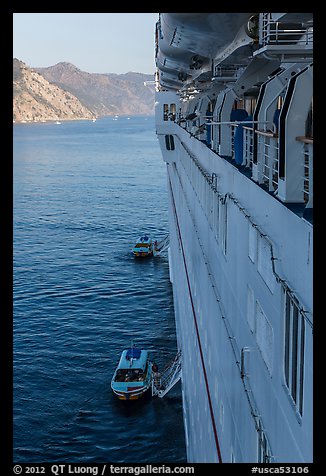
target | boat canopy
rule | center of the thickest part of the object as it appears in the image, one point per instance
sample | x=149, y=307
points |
x=133, y=353
x=133, y=358
x=144, y=239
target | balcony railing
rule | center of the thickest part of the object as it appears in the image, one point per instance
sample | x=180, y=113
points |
x=274, y=32
x=307, y=153
x=248, y=146
x=265, y=170
x=267, y=143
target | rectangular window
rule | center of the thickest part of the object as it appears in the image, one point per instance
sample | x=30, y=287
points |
x=287, y=349
x=251, y=309
x=169, y=142
x=172, y=112
x=165, y=112
x=295, y=331
x=294, y=350
x=265, y=338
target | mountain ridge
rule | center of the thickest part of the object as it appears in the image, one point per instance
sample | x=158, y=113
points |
x=98, y=94
x=36, y=100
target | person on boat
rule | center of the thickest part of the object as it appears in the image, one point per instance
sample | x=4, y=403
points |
x=129, y=376
x=155, y=245
x=156, y=375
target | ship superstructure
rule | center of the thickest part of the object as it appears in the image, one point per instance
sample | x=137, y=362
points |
x=234, y=122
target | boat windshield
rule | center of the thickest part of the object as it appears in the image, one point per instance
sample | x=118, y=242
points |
x=142, y=245
x=130, y=375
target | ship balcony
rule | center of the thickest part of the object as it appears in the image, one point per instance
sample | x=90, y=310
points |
x=257, y=155
x=286, y=40
x=277, y=31
x=265, y=168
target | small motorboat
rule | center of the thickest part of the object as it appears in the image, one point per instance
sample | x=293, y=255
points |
x=143, y=246
x=133, y=375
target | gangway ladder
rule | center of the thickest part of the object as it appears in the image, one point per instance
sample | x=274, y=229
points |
x=171, y=374
x=161, y=246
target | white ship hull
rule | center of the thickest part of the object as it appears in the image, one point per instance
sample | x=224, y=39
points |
x=241, y=268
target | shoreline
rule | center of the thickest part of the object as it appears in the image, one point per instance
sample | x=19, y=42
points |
x=59, y=121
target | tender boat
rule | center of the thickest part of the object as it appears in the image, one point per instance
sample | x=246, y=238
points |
x=133, y=375
x=143, y=246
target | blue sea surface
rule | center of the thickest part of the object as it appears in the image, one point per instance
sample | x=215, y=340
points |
x=83, y=193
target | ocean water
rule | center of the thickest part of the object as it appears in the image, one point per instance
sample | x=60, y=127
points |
x=83, y=193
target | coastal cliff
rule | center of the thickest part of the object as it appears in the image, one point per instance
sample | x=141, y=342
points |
x=64, y=92
x=36, y=100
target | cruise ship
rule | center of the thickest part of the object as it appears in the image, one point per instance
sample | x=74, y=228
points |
x=234, y=104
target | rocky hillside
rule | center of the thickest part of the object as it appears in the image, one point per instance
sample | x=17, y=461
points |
x=104, y=94
x=35, y=99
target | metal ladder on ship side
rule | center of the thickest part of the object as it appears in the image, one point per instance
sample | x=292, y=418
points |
x=161, y=246
x=171, y=374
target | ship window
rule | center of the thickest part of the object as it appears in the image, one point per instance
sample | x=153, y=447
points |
x=251, y=309
x=172, y=112
x=165, y=112
x=169, y=142
x=264, y=336
x=294, y=350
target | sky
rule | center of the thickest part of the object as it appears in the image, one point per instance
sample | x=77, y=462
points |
x=94, y=42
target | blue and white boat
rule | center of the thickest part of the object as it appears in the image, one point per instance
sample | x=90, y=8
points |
x=143, y=246
x=133, y=375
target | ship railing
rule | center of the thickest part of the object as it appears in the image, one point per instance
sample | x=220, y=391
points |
x=267, y=159
x=233, y=127
x=161, y=246
x=270, y=124
x=248, y=136
x=248, y=146
x=265, y=169
x=307, y=159
x=267, y=150
x=247, y=140
x=275, y=32
x=171, y=374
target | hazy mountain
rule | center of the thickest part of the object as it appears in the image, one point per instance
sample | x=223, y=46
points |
x=104, y=94
x=35, y=99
